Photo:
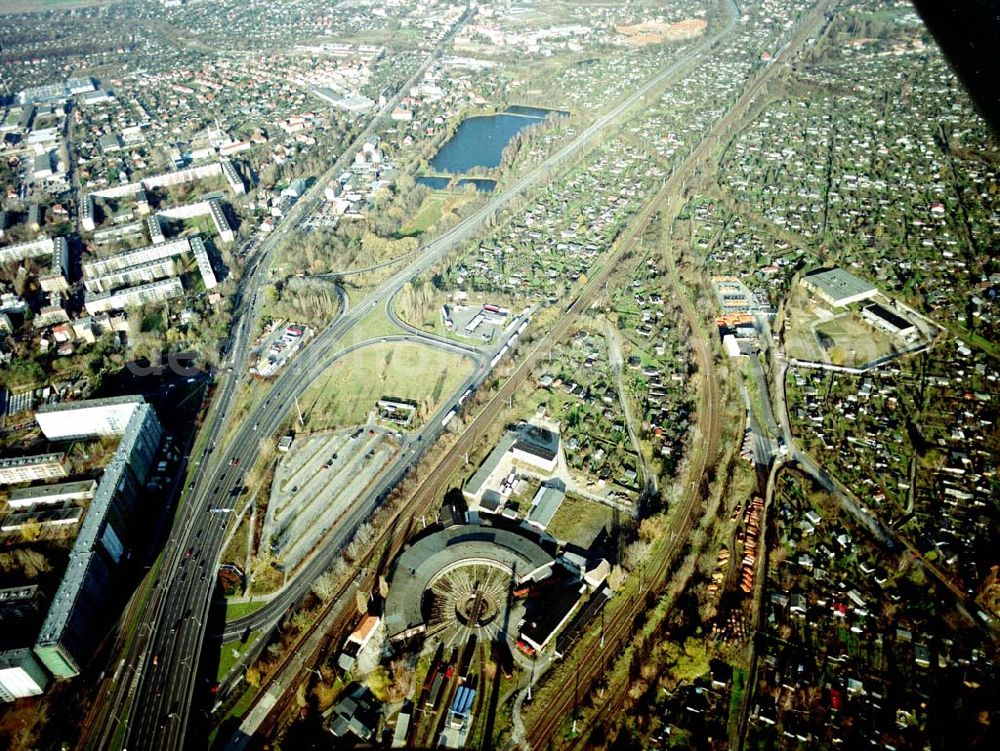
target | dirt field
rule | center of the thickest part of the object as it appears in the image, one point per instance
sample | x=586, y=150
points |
x=842, y=338
x=654, y=32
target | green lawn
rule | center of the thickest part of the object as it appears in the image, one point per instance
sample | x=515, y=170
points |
x=236, y=610
x=233, y=650
x=373, y=325
x=236, y=552
x=736, y=696
x=428, y=215
x=438, y=207
x=348, y=390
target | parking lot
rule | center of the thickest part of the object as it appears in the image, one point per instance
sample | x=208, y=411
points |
x=315, y=484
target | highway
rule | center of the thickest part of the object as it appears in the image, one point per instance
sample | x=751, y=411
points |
x=137, y=646
x=269, y=614
x=153, y=695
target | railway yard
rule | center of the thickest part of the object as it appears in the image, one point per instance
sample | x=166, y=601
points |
x=613, y=435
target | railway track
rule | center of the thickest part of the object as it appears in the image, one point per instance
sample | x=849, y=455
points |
x=433, y=488
x=592, y=664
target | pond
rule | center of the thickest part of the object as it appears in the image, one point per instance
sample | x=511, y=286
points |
x=439, y=182
x=480, y=141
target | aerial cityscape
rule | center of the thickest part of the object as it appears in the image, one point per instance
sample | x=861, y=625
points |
x=497, y=374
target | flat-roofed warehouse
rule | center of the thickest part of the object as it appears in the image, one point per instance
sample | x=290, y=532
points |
x=882, y=318
x=838, y=288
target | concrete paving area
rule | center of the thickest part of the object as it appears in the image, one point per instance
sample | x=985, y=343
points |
x=475, y=321
x=315, y=484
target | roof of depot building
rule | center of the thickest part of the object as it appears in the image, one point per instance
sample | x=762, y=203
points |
x=419, y=566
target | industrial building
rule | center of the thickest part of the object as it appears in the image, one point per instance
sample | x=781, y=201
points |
x=77, y=616
x=531, y=449
x=18, y=469
x=544, y=623
x=55, y=92
x=349, y=102
x=438, y=554
x=885, y=320
x=496, y=464
x=838, y=288
x=537, y=446
x=546, y=503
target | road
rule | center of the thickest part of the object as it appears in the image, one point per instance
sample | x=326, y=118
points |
x=146, y=612
x=433, y=487
x=156, y=699
x=649, y=481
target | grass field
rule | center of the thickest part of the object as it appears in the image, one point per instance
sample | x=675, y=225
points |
x=428, y=215
x=736, y=695
x=374, y=324
x=434, y=209
x=227, y=658
x=347, y=392
x=236, y=551
x=236, y=610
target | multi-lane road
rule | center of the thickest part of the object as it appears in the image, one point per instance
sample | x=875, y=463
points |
x=153, y=694
x=143, y=631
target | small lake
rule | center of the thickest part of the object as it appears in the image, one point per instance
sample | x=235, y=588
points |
x=437, y=182
x=480, y=141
